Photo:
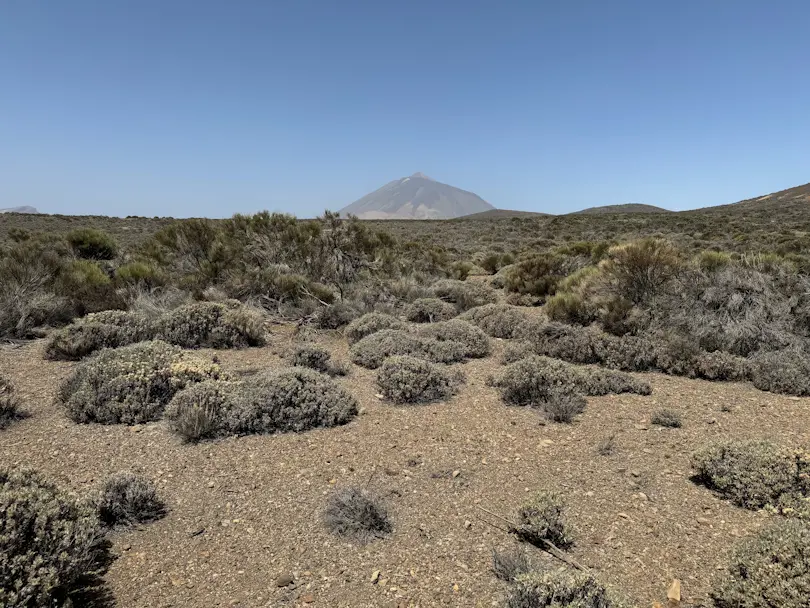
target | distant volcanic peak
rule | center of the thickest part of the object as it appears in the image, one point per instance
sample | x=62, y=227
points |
x=423, y=176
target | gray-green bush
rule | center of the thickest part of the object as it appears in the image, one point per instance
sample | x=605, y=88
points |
x=429, y=310
x=560, y=589
x=9, y=403
x=405, y=379
x=769, y=569
x=464, y=294
x=132, y=384
x=371, y=323
x=540, y=519
x=357, y=515
x=295, y=399
x=497, y=320
x=371, y=351
x=474, y=340
x=52, y=546
x=128, y=499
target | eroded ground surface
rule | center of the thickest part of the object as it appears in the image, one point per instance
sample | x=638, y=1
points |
x=244, y=511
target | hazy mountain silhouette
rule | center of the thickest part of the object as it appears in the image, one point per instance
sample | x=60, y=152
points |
x=416, y=197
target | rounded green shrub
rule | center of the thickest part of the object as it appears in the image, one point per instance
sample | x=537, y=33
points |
x=295, y=399
x=370, y=323
x=536, y=276
x=404, y=379
x=52, y=547
x=139, y=274
x=474, y=340
x=540, y=520
x=106, y=329
x=756, y=474
x=211, y=325
x=496, y=320
x=371, y=351
x=132, y=384
x=92, y=244
x=786, y=372
x=429, y=310
x=771, y=568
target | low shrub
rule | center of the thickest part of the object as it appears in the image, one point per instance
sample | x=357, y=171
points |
x=508, y=565
x=529, y=381
x=667, y=418
x=337, y=315
x=496, y=320
x=464, y=294
x=317, y=358
x=9, y=404
x=771, y=568
x=139, y=274
x=88, y=287
x=474, y=340
x=537, y=275
x=405, y=379
x=355, y=514
x=52, y=547
x=92, y=244
x=563, y=404
x=570, y=307
x=295, y=399
x=371, y=351
x=127, y=499
x=197, y=325
x=540, y=520
x=211, y=325
x=429, y=310
x=786, y=372
x=756, y=474
x=560, y=589
x=371, y=323
x=132, y=384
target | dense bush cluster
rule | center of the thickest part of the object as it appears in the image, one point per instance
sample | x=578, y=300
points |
x=464, y=294
x=405, y=379
x=497, y=320
x=558, y=387
x=560, y=589
x=757, y=474
x=317, y=358
x=52, y=546
x=132, y=384
x=295, y=399
x=772, y=568
x=9, y=404
x=540, y=519
x=473, y=340
x=374, y=349
x=356, y=515
x=197, y=325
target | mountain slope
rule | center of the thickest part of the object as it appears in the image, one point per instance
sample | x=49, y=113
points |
x=23, y=209
x=795, y=199
x=497, y=214
x=416, y=197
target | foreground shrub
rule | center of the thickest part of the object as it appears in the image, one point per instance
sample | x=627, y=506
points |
x=756, y=474
x=92, y=244
x=508, y=565
x=474, y=340
x=786, y=372
x=404, y=379
x=52, y=547
x=357, y=515
x=497, y=320
x=296, y=399
x=88, y=287
x=127, y=500
x=371, y=323
x=463, y=294
x=107, y=329
x=560, y=589
x=317, y=358
x=9, y=404
x=667, y=418
x=769, y=569
x=429, y=310
x=541, y=520
x=537, y=275
x=372, y=350
x=336, y=315
x=132, y=384
x=529, y=380
x=637, y=271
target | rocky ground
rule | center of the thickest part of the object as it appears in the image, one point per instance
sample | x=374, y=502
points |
x=244, y=527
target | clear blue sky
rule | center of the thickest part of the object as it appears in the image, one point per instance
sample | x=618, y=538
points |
x=202, y=108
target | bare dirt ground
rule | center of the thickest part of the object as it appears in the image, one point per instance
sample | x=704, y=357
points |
x=244, y=511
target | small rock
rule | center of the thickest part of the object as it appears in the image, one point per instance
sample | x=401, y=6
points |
x=468, y=524
x=285, y=580
x=456, y=473
x=210, y=484
x=307, y=598
x=635, y=473
x=625, y=516
x=703, y=521
x=375, y=577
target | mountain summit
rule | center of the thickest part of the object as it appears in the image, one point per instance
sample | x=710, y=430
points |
x=417, y=197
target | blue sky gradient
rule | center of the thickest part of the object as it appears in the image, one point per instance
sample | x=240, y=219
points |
x=202, y=108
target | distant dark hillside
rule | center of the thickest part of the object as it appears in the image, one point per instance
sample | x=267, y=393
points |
x=502, y=213
x=792, y=199
x=628, y=208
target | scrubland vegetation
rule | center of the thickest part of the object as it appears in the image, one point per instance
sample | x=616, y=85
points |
x=571, y=307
